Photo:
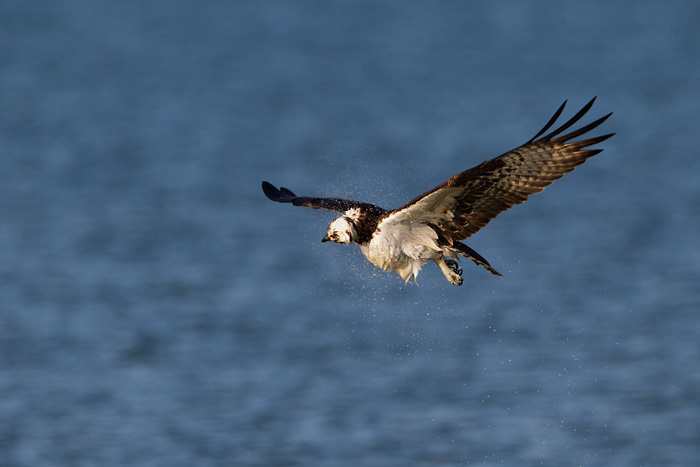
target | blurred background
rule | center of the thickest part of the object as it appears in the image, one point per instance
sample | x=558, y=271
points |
x=156, y=309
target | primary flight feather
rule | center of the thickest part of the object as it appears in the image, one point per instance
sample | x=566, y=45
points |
x=431, y=226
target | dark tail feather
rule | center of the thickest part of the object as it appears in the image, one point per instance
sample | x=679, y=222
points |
x=464, y=250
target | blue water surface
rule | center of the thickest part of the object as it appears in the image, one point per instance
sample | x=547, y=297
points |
x=156, y=309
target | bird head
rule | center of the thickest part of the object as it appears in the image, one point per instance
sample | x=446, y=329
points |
x=341, y=230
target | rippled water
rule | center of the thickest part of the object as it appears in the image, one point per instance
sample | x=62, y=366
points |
x=156, y=309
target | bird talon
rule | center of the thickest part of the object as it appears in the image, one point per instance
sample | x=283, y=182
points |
x=453, y=272
x=454, y=265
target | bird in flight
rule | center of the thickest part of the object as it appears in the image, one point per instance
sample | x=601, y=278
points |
x=431, y=226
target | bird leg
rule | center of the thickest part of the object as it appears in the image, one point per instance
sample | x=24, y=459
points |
x=450, y=268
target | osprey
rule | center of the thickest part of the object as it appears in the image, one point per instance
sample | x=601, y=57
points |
x=431, y=226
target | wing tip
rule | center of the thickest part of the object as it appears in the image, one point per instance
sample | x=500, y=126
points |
x=287, y=192
x=270, y=191
x=551, y=121
x=281, y=194
x=573, y=120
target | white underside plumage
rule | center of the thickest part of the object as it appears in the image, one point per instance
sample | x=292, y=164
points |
x=404, y=247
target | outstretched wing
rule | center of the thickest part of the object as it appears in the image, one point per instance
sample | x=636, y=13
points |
x=469, y=200
x=283, y=195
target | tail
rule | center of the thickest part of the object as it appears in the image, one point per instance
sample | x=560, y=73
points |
x=464, y=250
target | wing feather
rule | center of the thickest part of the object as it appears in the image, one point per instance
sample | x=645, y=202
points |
x=284, y=195
x=550, y=122
x=469, y=200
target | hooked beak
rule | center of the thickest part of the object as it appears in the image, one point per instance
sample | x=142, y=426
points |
x=325, y=239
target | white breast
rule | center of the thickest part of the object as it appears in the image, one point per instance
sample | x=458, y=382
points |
x=403, y=247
